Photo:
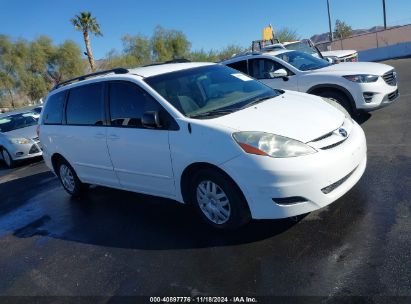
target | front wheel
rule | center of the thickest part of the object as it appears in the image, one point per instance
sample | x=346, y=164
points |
x=8, y=160
x=341, y=99
x=218, y=200
x=69, y=179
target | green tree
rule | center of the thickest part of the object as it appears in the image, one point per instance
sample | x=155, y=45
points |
x=169, y=44
x=287, y=34
x=115, y=60
x=85, y=23
x=229, y=51
x=342, y=30
x=139, y=47
x=10, y=60
x=204, y=56
x=7, y=85
x=65, y=62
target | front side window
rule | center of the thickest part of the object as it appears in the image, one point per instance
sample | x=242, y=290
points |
x=85, y=105
x=264, y=68
x=128, y=103
x=303, y=61
x=53, y=112
x=211, y=90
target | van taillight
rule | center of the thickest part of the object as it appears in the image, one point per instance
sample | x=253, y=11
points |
x=38, y=130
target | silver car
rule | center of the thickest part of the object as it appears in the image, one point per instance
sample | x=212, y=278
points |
x=18, y=137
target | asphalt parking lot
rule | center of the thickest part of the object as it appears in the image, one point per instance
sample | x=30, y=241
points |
x=119, y=243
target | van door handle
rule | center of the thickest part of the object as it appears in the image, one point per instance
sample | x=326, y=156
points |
x=113, y=137
x=99, y=135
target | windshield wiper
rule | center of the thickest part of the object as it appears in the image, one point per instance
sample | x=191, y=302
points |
x=255, y=101
x=212, y=113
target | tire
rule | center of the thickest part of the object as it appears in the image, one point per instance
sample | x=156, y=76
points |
x=339, y=98
x=218, y=200
x=69, y=180
x=10, y=163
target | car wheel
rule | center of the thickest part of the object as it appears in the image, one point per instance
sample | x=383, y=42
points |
x=339, y=98
x=69, y=179
x=218, y=200
x=8, y=160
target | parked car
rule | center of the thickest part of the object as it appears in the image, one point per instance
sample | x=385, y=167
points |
x=18, y=138
x=354, y=85
x=205, y=135
x=335, y=56
x=338, y=56
x=307, y=46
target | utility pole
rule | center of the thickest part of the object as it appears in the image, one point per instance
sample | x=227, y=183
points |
x=385, y=14
x=329, y=21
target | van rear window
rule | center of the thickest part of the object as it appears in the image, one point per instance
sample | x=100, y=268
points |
x=53, y=111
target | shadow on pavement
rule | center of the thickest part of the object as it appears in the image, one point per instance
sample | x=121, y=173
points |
x=362, y=117
x=114, y=218
x=17, y=192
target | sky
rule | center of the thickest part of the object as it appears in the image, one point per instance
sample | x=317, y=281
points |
x=208, y=24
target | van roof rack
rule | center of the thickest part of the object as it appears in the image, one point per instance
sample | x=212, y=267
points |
x=84, y=77
x=179, y=60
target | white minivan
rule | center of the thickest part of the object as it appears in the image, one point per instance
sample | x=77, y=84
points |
x=205, y=135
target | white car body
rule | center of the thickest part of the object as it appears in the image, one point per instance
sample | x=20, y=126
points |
x=21, y=143
x=341, y=55
x=154, y=161
x=382, y=92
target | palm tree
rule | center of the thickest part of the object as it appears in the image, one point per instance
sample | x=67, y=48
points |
x=87, y=24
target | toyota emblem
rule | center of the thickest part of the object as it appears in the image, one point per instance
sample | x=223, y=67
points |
x=343, y=132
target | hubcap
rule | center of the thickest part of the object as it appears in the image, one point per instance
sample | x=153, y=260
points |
x=67, y=178
x=213, y=202
x=6, y=158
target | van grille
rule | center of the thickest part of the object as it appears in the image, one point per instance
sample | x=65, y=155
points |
x=335, y=185
x=333, y=145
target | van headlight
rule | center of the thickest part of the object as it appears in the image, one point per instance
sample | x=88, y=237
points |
x=19, y=141
x=361, y=78
x=267, y=144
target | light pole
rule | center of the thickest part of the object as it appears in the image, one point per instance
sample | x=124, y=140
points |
x=385, y=14
x=329, y=21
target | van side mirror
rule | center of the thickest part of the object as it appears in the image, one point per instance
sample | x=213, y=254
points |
x=151, y=120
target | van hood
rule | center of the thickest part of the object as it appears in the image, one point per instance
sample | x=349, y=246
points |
x=294, y=115
x=353, y=68
x=28, y=132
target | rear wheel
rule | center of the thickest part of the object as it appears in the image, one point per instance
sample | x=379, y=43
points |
x=69, y=179
x=218, y=200
x=8, y=160
x=341, y=99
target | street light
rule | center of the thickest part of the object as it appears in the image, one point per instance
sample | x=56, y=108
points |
x=329, y=21
x=385, y=14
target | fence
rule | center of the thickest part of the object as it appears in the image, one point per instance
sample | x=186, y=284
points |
x=370, y=40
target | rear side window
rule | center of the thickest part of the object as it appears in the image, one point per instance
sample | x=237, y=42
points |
x=85, y=105
x=53, y=112
x=239, y=66
x=128, y=103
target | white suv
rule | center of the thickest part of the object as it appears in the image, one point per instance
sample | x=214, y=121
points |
x=202, y=134
x=355, y=85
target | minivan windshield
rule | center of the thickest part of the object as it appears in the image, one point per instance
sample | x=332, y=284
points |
x=209, y=91
x=18, y=121
x=303, y=61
